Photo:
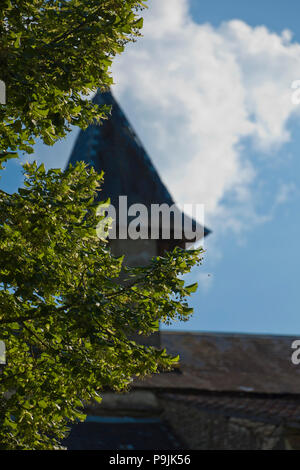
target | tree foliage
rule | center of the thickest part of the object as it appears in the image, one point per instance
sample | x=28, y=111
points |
x=65, y=318
x=52, y=53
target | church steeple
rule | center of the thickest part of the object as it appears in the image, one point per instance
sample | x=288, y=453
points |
x=114, y=148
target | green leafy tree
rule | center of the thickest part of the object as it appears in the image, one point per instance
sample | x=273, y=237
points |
x=52, y=53
x=66, y=319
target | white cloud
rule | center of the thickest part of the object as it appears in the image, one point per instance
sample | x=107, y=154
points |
x=285, y=193
x=194, y=92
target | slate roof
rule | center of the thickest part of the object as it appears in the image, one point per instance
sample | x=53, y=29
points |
x=115, y=148
x=228, y=363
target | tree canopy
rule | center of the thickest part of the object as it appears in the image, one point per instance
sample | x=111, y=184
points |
x=52, y=53
x=65, y=319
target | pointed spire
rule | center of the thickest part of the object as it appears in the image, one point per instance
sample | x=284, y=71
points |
x=114, y=148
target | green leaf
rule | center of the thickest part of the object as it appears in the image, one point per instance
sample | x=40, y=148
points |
x=192, y=287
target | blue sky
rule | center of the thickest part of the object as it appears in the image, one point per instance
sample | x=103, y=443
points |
x=256, y=283
x=276, y=15
x=212, y=105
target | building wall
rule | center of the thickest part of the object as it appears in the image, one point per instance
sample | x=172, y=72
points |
x=191, y=427
x=201, y=430
x=137, y=252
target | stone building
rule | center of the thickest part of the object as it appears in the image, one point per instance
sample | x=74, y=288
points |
x=230, y=391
